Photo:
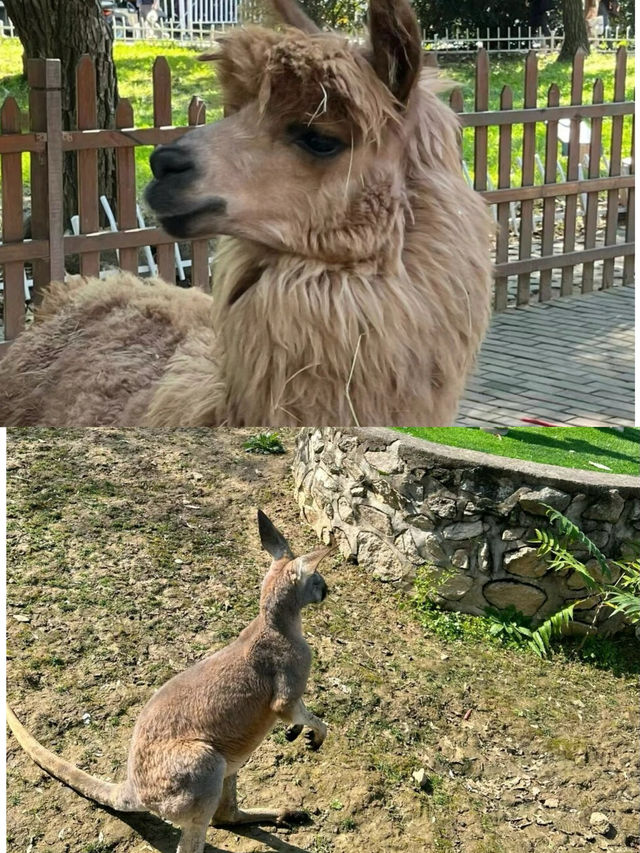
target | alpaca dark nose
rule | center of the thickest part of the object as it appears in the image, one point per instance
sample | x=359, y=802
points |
x=170, y=160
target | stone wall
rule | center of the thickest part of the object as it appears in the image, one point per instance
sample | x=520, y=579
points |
x=395, y=502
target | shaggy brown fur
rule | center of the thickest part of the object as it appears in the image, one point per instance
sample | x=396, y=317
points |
x=349, y=289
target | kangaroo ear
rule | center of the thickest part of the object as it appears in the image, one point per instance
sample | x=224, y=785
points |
x=310, y=562
x=396, y=45
x=272, y=540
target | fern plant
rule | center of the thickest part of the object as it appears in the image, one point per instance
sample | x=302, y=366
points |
x=508, y=624
x=623, y=596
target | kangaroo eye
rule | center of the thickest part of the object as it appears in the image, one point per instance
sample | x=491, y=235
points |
x=318, y=144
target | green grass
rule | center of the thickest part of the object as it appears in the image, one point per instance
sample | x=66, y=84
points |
x=134, y=64
x=619, y=654
x=510, y=72
x=190, y=77
x=571, y=447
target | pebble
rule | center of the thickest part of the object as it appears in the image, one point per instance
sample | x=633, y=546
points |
x=420, y=778
x=600, y=822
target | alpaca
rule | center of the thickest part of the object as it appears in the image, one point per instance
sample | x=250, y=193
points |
x=352, y=279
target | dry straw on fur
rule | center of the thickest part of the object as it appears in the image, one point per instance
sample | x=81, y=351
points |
x=353, y=289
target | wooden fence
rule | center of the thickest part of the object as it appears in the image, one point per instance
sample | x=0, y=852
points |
x=539, y=197
x=536, y=203
x=46, y=142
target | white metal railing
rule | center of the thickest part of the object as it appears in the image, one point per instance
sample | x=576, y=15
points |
x=198, y=21
x=521, y=39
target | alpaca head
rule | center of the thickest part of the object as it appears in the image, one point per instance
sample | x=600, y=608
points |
x=308, y=158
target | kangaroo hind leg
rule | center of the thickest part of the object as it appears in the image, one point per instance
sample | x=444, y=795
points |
x=192, y=805
x=228, y=812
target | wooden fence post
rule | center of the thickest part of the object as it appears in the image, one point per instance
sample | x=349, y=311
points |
x=45, y=110
x=12, y=222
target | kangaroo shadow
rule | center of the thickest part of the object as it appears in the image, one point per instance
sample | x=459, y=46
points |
x=163, y=837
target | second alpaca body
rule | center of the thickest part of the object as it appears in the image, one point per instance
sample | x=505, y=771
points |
x=195, y=733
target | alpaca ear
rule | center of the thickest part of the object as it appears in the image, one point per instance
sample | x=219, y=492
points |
x=396, y=45
x=293, y=15
x=272, y=540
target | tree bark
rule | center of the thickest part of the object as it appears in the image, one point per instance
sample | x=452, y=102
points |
x=65, y=30
x=575, y=30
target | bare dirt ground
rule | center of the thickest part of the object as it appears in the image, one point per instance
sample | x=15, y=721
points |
x=131, y=554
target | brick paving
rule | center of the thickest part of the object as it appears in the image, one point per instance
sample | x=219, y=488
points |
x=568, y=361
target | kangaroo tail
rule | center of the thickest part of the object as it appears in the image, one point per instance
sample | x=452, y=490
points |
x=114, y=795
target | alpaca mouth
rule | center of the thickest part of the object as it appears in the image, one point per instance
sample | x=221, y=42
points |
x=186, y=224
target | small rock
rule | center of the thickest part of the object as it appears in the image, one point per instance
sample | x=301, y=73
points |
x=460, y=559
x=420, y=778
x=19, y=617
x=552, y=802
x=86, y=719
x=533, y=501
x=511, y=535
x=600, y=822
x=526, y=563
x=608, y=508
x=455, y=587
x=463, y=530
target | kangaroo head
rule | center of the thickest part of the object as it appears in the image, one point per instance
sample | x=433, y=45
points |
x=291, y=582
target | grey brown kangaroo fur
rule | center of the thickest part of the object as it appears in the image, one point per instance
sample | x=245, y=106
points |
x=195, y=733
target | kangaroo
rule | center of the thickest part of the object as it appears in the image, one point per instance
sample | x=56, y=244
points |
x=199, y=728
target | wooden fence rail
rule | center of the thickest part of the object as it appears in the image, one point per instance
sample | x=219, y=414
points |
x=541, y=232
x=539, y=229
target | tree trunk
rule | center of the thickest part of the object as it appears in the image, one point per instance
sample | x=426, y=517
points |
x=575, y=30
x=65, y=30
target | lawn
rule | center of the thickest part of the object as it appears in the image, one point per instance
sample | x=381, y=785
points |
x=576, y=447
x=134, y=553
x=134, y=63
x=510, y=72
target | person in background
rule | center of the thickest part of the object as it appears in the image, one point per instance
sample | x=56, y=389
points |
x=539, y=16
x=146, y=8
x=606, y=8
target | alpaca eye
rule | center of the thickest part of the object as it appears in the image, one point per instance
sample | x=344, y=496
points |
x=317, y=143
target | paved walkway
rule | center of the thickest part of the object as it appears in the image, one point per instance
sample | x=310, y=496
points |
x=568, y=361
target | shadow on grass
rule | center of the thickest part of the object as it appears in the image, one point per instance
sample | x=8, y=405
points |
x=582, y=446
x=619, y=655
x=163, y=837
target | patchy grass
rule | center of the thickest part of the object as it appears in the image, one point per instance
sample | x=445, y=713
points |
x=264, y=442
x=570, y=447
x=133, y=553
x=619, y=654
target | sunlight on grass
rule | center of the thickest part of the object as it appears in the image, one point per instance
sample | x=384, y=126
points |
x=134, y=66
x=510, y=72
x=578, y=447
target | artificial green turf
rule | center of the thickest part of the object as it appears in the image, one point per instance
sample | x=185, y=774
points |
x=571, y=447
